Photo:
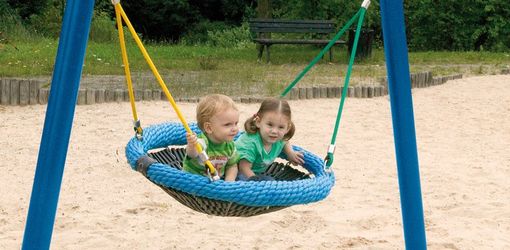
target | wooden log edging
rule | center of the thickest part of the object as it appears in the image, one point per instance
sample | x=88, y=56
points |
x=29, y=92
x=14, y=91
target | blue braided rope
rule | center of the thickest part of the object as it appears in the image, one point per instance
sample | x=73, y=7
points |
x=263, y=193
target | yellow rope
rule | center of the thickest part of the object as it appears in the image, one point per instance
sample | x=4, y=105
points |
x=160, y=81
x=126, y=69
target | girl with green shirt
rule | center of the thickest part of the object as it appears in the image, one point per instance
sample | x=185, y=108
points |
x=267, y=134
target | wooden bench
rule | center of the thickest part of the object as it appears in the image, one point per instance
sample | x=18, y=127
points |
x=264, y=27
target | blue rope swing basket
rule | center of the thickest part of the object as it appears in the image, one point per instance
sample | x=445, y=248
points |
x=240, y=198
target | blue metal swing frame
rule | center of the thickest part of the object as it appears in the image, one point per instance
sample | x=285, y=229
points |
x=64, y=91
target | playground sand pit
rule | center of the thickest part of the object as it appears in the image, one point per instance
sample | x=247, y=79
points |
x=463, y=137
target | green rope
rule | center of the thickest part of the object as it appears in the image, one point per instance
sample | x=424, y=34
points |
x=321, y=54
x=329, y=158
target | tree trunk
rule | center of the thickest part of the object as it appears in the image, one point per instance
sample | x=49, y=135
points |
x=264, y=9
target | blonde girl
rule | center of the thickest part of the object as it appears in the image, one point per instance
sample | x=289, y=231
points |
x=217, y=117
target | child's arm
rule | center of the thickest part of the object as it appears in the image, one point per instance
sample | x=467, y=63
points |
x=191, y=151
x=245, y=168
x=231, y=173
x=294, y=157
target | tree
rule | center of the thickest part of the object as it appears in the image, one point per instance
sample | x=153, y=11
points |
x=26, y=8
x=161, y=20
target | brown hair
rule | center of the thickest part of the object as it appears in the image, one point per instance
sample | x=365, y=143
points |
x=269, y=105
x=210, y=105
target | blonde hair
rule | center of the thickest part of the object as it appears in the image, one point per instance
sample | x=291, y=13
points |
x=271, y=104
x=210, y=105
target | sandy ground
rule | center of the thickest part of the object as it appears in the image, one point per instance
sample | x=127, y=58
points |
x=463, y=135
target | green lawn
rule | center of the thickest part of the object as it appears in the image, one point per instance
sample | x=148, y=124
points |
x=234, y=71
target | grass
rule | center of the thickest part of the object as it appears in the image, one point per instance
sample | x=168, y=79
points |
x=193, y=70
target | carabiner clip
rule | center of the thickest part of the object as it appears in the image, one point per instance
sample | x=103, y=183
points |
x=211, y=177
x=138, y=130
x=328, y=161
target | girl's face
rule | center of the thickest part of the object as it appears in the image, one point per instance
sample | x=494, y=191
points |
x=223, y=126
x=272, y=126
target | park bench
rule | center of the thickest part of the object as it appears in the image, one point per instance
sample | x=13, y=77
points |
x=264, y=27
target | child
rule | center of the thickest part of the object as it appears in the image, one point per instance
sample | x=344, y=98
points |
x=267, y=134
x=217, y=117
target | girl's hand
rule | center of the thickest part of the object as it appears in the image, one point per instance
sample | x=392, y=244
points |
x=296, y=158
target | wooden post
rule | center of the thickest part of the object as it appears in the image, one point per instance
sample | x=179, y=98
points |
x=14, y=92
x=294, y=94
x=109, y=95
x=24, y=89
x=5, y=90
x=147, y=95
x=100, y=95
x=378, y=91
x=90, y=96
x=357, y=91
x=302, y=93
x=43, y=96
x=364, y=91
x=350, y=91
x=331, y=92
x=323, y=92
x=370, y=92
x=156, y=94
x=34, y=91
x=119, y=95
x=82, y=97
x=338, y=91
x=309, y=92
x=138, y=95
x=316, y=92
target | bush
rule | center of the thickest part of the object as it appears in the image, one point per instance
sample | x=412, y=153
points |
x=218, y=34
x=236, y=37
x=161, y=20
x=11, y=26
x=102, y=28
x=48, y=23
x=26, y=8
x=456, y=25
x=198, y=33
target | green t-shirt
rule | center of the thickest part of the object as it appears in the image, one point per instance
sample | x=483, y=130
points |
x=251, y=148
x=222, y=156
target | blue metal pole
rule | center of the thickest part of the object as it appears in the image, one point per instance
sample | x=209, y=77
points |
x=57, y=124
x=399, y=86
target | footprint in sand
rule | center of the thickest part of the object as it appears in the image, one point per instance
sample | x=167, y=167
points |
x=445, y=246
x=149, y=206
x=354, y=242
x=302, y=221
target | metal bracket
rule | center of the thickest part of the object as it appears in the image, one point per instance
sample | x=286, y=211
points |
x=365, y=4
x=331, y=149
x=143, y=163
x=203, y=156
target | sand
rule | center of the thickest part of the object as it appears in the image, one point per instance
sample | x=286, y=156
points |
x=463, y=137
